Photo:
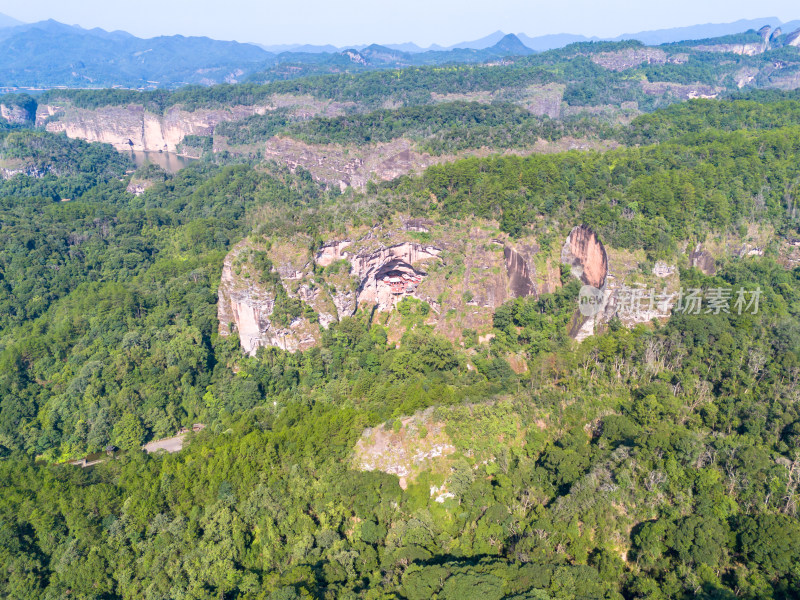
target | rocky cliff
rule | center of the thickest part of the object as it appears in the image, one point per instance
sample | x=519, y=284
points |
x=585, y=253
x=748, y=49
x=135, y=128
x=622, y=60
x=449, y=276
x=16, y=115
x=461, y=275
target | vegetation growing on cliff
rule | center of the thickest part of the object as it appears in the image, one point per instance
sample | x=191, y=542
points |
x=659, y=461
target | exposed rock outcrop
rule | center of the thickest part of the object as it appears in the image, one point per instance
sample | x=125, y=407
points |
x=345, y=167
x=748, y=49
x=16, y=115
x=458, y=279
x=137, y=187
x=245, y=307
x=585, y=253
x=679, y=90
x=702, y=260
x=521, y=273
x=135, y=128
x=331, y=252
x=621, y=60
x=388, y=275
x=793, y=39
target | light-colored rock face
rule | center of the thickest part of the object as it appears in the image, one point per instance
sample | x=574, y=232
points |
x=330, y=253
x=585, y=253
x=621, y=60
x=662, y=269
x=703, y=260
x=16, y=115
x=750, y=49
x=405, y=453
x=245, y=306
x=134, y=128
x=679, y=90
x=793, y=39
x=389, y=275
x=463, y=275
x=137, y=187
x=345, y=167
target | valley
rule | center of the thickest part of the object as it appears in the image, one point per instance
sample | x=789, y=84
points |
x=450, y=324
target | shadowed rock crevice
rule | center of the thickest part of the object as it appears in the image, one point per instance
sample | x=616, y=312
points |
x=520, y=273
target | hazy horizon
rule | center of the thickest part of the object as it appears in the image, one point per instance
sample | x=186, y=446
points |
x=363, y=22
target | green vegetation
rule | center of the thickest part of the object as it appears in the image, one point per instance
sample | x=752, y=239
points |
x=709, y=115
x=654, y=462
x=445, y=127
x=647, y=197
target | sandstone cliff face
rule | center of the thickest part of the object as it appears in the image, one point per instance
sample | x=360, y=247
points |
x=388, y=275
x=793, y=39
x=16, y=115
x=245, y=306
x=629, y=58
x=343, y=167
x=463, y=275
x=751, y=49
x=520, y=273
x=134, y=128
x=585, y=253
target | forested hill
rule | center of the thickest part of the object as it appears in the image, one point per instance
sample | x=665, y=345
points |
x=349, y=128
x=458, y=443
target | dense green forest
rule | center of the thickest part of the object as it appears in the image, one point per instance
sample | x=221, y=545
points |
x=439, y=128
x=660, y=461
x=588, y=83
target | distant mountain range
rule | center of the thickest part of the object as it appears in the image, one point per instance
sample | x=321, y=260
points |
x=50, y=54
x=559, y=40
x=6, y=21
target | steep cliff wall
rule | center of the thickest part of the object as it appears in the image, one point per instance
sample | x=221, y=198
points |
x=460, y=275
x=585, y=253
x=345, y=166
x=17, y=115
x=621, y=60
x=134, y=128
x=750, y=49
x=463, y=274
x=246, y=305
x=520, y=272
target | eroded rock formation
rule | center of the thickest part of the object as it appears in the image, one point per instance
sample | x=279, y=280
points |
x=389, y=275
x=585, y=253
x=463, y=275
x=16, y=115
x=521, y=273
x=245, y=307
x=331, y=252
x=134, y=128
x=702, y=260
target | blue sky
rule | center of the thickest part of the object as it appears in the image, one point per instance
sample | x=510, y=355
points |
x=366, y=21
